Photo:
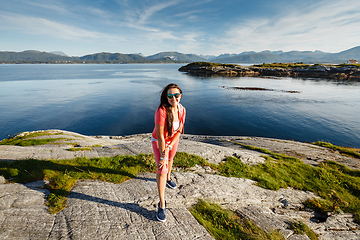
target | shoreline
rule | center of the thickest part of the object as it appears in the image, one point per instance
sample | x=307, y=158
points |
x=99, y=145
x=348, y=72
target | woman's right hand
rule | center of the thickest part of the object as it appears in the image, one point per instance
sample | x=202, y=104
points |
x=163, y=162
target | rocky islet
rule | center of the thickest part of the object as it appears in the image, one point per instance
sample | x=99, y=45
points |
x=349, y=73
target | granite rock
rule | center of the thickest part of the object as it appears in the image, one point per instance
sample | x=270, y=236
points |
x=2, y=180
x=102, y=210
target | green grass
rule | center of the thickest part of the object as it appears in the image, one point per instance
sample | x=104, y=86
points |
x=79, y=149
x=345, y=64
x=63, y=174
x=267, y=65
x=301, y=228
x=282, y=65
x=28, y=139
x=210, y=64
x=345, y=151
x=97, y=145
x=185, y=160
x=225, y=224
x=338, y=185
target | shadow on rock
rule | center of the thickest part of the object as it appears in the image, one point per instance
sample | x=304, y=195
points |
x=133, y=207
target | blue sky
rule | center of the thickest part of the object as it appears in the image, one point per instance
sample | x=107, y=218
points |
x=80, y=27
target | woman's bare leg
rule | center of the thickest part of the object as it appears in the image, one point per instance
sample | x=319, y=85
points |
x=161, y=184
x=171, y=156
x=168, y=174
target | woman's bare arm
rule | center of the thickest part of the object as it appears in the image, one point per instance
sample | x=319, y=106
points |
x=176, y=136
x=164, y=152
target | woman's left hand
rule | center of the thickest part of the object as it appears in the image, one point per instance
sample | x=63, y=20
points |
x=165, y=153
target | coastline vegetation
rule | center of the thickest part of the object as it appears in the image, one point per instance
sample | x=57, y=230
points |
x=352, y=152
x=283, y=65
x=269, y=65
x=346, y=64
x=28, y=139
x=210, y=64
x=338, y=185
x=301, y=65
x=226, y=224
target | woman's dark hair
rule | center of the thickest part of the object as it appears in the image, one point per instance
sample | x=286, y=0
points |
x=164, y=102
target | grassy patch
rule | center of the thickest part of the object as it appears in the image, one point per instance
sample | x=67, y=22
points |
x=209, y=64
x=185, y=160
x=301, y=228
x=338, y=185
x=345, y=65
x=282, y=65
x=63, y=174
x=27, y=139
x=225, y=224
x=346, y=151
x=79, y=149
x=97, y=145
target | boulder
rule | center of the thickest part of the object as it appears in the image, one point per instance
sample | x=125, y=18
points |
x=2, y=180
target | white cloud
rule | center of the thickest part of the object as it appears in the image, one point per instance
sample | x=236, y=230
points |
x=98, y=12
x=148, y=13
x=48, y=5
x=328, y=26
x=144, y=21
x=42, y=26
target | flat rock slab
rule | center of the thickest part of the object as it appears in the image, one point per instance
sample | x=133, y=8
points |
x=102, y=210
x=23, y=214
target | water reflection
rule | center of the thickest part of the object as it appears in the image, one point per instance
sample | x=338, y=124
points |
x=121, y=100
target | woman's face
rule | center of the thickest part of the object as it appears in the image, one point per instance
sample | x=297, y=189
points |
x=173, y=100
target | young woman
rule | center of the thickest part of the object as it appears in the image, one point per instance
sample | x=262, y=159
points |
x=169, y=123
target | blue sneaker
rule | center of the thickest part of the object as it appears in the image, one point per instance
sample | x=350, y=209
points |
x=171, y=184
x=161, y=214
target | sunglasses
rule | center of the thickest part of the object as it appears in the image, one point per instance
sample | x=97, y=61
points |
x=170, y=96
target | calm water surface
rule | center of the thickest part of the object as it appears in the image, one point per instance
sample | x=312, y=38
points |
x=121, y=100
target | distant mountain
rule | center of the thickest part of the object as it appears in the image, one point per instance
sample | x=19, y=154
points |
x=31, y=55
x=114, y=57
x=304, y=56
x=227, y=55
x=59, y=53
x=352, y=53
x=250, y=58
x=176, y=56
x=292, y=56
x=208, y=57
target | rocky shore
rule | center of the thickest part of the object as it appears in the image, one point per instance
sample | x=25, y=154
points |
x=349, y=73
x=102, y=210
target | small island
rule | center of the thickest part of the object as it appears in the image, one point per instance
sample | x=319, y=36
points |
x=348, y=72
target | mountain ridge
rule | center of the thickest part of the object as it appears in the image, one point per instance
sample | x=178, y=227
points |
x=266, y=56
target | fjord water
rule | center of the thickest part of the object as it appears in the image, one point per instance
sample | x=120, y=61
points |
x=121, y=100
